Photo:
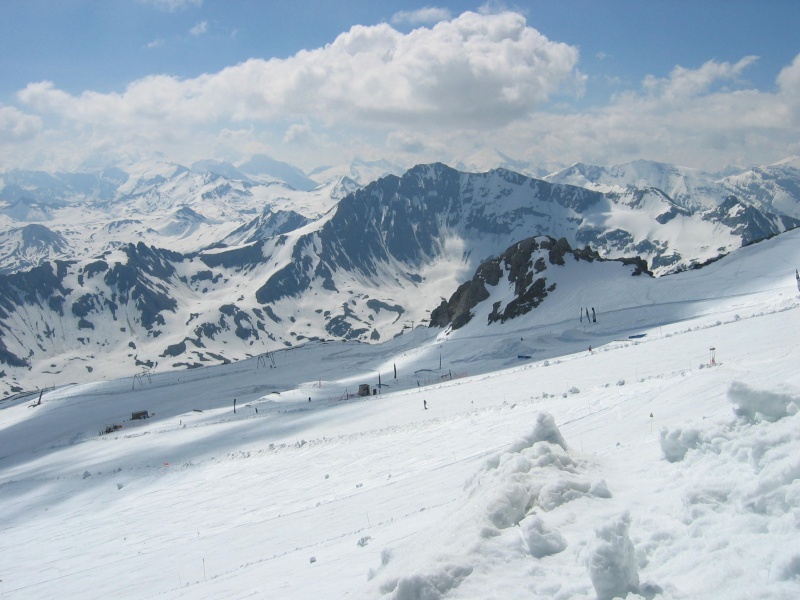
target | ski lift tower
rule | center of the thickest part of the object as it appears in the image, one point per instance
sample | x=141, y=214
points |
x=265, y=360
x=141, y=377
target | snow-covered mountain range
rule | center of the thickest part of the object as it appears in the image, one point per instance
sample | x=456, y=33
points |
x=771, y=188
x=165, y=266
x=650, y=453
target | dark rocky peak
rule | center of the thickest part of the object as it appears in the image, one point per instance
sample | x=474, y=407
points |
x=40, y=237
x=239, y=258
x=147, y=260
x=748, y=221
x=186, y=213
x=522, y=264
x=34, y=286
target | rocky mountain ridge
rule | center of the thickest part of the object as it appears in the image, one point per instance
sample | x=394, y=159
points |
x=364, y=266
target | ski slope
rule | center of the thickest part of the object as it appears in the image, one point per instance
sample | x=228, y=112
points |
x=641, y=468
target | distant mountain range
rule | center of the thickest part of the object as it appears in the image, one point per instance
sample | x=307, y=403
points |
x=165, y=266
x=772, y=188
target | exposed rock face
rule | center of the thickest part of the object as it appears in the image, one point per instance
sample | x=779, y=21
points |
x=521, y=265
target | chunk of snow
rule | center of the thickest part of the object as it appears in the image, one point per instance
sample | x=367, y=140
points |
x=612, y=563
x=541, y=541
x=755, y=405
x=428, y=586
x=676, y=443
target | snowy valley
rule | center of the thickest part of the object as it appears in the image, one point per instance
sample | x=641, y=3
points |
x=650, y=453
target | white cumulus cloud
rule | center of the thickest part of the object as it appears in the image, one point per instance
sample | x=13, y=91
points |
x=789, y=78
x=17, y=126
x=684, y=83
x=473, y=71
x=480, y=80
x=429, y=14
x=686, y=118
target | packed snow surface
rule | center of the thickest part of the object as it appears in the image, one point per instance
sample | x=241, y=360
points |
x=508, y=461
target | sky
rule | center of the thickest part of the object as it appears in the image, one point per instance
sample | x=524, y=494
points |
x=701, y=84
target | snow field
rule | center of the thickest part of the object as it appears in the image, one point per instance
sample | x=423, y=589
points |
x=638, y=469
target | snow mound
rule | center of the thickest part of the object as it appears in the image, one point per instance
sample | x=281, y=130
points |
x=750, y=405
x=541, y=540
x=739, y=482
x=544, y=430
x=757, y=405
x=428, y=586
x=536, y=471
x=612, y=562
x=502, y=516
x=676, y=443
